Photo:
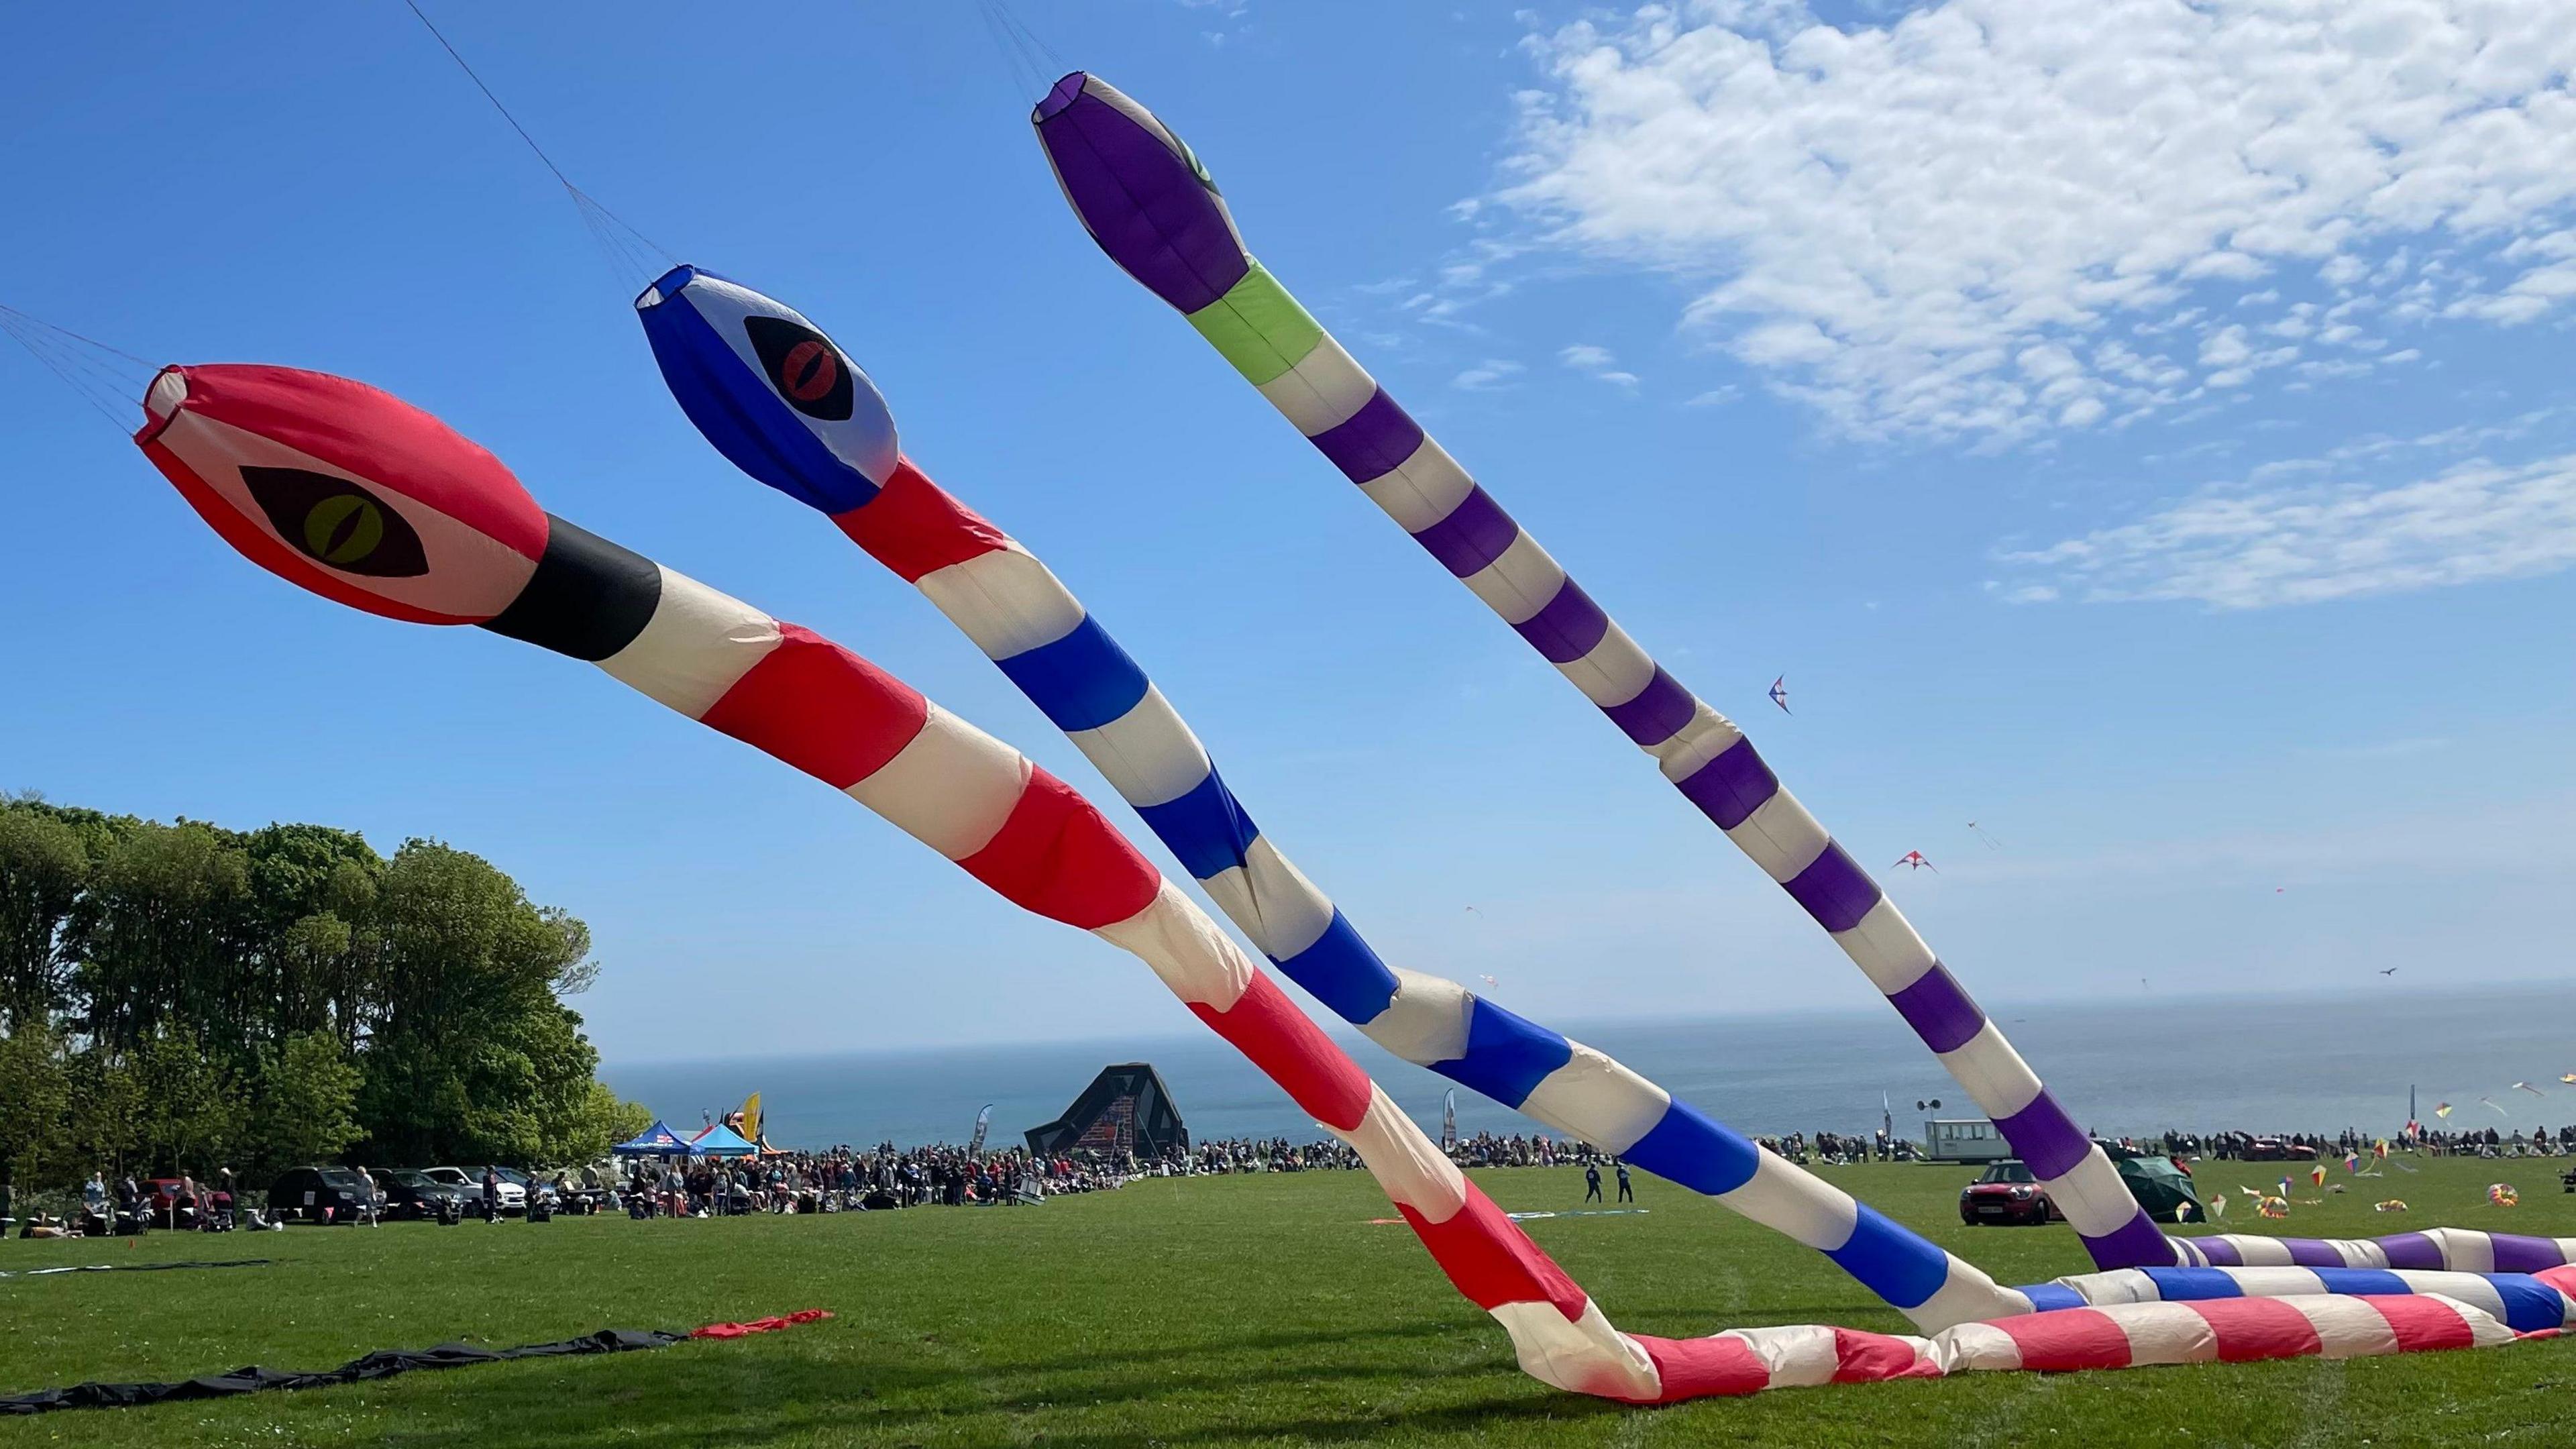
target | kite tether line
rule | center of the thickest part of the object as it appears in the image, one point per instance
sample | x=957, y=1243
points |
x=628, y=251
x=106, y=378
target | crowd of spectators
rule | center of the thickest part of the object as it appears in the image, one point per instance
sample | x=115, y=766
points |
x=2269, y=1146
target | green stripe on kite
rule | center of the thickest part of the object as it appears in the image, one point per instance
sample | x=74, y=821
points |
x=1258, y=326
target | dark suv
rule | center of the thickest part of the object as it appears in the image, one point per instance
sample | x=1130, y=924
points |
x=317, y=1195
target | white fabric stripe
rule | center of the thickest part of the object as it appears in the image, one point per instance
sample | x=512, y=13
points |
x=1322, y=390
x=1615, y=672
x=1197, y=961
x=1886, y=949
x=2358, y=1253
x=1402, y=1159
x=1781, y=837
x=1426, y=1021
x=2092, y=1196
x=1520, y=581
x=1148, y=754
x=1584, y=1355
x=1799, y=1204
x=2470, y=1288
x=1703, y=738
x=2119, y=1285
x=2464, y=1250
x=950, y=788
x=1596, y=1100
x=1992, y=1072
x=1799, y=1355
x=2278, y=1282
x=1271, y=900
x=1966, y=1295
x=698, y=644
x=1422, y=490
x=1977, y=1347
x=1005, y=600
x=2260, y=1252
x=2166, y=1333
x=2346, y=1327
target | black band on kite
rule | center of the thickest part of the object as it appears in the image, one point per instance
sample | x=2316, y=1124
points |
x=589, y=598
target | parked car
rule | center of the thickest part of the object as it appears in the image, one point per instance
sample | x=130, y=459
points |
x=160, y=1199
x=410, y=1193
x=317, y=1195
x=2007, y=1194
x=514, y=1186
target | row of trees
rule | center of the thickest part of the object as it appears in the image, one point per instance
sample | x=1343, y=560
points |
x=179, y=996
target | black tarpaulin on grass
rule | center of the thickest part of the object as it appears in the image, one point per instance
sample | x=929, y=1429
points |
x=379, y=1365
x=136, y=1267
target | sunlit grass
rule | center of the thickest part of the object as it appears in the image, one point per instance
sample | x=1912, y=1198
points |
x=1256, y=1309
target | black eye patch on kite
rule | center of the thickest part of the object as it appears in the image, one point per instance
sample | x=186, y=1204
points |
x=804, y=366
x=336, y=523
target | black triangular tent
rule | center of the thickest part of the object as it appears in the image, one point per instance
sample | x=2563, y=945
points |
x=1126, y=1108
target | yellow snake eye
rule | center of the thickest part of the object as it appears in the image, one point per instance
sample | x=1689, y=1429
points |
x=336, y=523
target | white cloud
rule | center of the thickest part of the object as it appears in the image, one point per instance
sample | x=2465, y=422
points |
x=1895, y=215
x=2269, y=542
x=1585, y=357
x=1486, y=376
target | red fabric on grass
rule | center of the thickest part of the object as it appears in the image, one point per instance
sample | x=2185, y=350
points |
x=760, y=1325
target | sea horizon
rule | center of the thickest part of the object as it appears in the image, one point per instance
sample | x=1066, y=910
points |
x=2259, y=1061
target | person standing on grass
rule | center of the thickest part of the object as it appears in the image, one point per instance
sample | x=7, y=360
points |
x=1627, y=1192
x=491, y=1194
x=372, y=1203
x=1592, y=1182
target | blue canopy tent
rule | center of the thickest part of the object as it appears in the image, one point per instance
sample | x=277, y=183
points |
x=657, y=1140
x=722, y=1141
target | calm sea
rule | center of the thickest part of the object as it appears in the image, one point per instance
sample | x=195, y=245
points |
x=2259, y=1063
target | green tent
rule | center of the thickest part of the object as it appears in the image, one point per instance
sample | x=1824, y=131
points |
x=2161, y=1187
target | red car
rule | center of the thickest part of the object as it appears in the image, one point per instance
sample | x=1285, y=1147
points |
x=161, y=1197
x=2007, y=1194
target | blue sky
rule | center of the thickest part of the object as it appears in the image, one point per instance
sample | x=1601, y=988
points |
x=2147, y=432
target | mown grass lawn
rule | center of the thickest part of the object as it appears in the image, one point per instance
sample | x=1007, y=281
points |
x=1224, y=1310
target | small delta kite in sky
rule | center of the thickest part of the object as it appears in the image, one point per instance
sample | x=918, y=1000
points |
x=1780, y=693
x=2528, y=1087
x=2499, y=1111
x=1913, y=859
x=1991, y=842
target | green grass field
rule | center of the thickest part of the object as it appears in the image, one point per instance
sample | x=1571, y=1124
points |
x=1223, y=1310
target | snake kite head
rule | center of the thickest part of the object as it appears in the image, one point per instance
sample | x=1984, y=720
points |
x=1140, y=192
x=345, y=490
